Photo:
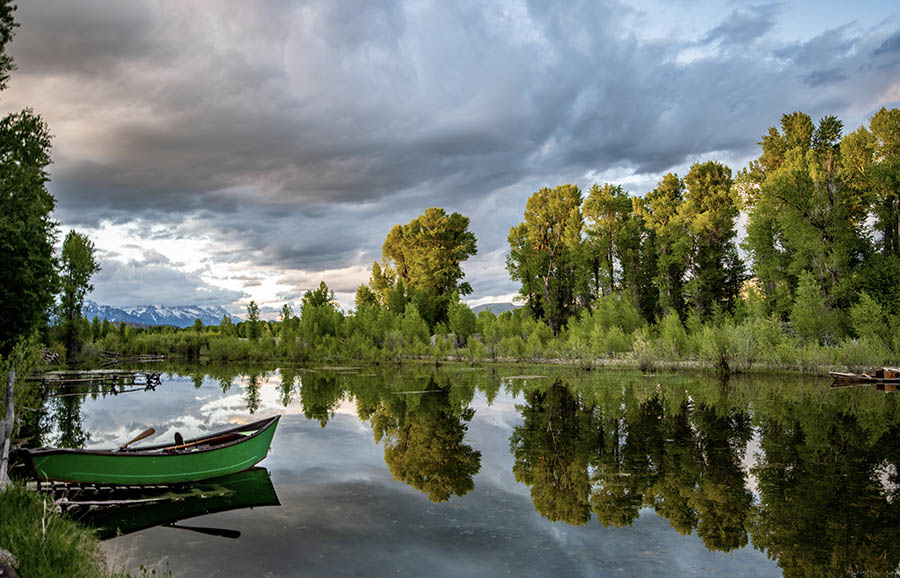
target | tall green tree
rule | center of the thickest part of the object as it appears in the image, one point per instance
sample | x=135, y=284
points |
x=77, y=266
x=427, y=254
x=28, y=267
x=806, y=209
x=636, y=252
x=381, y=282
x=319, y=315
x=661, y=209
x=709, y=212
x=253, y=323
x=885, y=129
x=522, y=263
x=606, y=211
x=7, y=27
x=544, y=253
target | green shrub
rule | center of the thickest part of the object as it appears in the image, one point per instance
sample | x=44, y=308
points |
x=642, y=349
x=811, y=320
x=868, y=319
x=672, y=343
x=715, y=347
x=615, y=342
x=860, y=353
x=514, y=347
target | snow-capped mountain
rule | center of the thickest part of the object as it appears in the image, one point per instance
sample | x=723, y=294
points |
x=180, y=316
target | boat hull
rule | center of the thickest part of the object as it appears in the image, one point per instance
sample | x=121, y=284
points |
x=154, y=465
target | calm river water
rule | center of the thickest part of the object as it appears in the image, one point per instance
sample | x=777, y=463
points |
x=505, y=471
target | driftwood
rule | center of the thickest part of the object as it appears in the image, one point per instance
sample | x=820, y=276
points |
x=114, y=358
x=6, y=428
x=110, y=377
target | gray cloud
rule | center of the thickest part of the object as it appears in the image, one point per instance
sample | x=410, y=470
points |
x=823, y=77
x=744, y=25
x=889, y=46
x=154, y=280
x=294, y=135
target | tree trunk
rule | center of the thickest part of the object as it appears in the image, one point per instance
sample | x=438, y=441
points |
x=6, y=429
x=72, y=339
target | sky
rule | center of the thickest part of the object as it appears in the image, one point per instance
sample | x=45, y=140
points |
x=217, y=152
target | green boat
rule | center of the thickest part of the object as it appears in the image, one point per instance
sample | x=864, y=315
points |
x=209, y=456
x=118, y=513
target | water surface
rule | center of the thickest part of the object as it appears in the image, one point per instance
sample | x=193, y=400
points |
x=525, y=472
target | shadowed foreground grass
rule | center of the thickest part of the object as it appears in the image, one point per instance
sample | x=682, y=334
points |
x=46, y=543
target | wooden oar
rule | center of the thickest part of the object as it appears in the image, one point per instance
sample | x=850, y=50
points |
x=217, y=439
x=144, y=434
x=221, y=532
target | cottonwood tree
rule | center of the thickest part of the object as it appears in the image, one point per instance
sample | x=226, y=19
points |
x=885, y=177
x=807, y=206
x=425, y=258
x=708, y=212
x=661, y=215
x=607, y=210
x=319, y=315
x=252, y=324
x=77, y=266
x=28, y=267
x=544, y=253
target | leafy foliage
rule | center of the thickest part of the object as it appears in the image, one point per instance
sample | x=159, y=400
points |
x=27, y=233
x=77, y=267
x=426, y=254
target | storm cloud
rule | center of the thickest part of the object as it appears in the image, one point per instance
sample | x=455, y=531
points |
x=293, y=135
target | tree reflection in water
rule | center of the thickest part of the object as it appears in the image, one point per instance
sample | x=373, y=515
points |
x=321, y=393
x=687, y=465
x=826, y=501
x=252, y=392
x=828, y=494
x=553, y=449
x=69, y=421
x=827, y=484
x=423, y=438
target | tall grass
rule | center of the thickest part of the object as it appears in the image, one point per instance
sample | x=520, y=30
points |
x=46, y=543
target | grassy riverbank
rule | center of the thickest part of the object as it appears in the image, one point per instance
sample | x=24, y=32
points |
x=46, y=543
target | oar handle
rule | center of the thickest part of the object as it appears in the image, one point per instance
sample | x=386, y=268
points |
x=144, y=434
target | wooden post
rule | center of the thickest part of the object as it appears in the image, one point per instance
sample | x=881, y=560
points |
x=6, y=429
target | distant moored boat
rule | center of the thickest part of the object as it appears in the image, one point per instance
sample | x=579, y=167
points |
x=883, y=375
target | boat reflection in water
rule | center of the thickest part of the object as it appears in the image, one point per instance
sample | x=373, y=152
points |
x=119, y=511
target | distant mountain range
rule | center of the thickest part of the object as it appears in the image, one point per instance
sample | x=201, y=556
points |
x=495, y=308
x=179, y=316
x=184, y=315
